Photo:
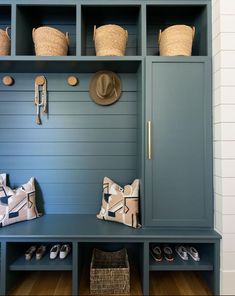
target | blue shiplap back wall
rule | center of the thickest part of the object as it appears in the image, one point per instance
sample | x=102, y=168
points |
x=77, y=145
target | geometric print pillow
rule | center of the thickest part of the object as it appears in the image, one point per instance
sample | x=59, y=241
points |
x=18, y=204
x=120, y=204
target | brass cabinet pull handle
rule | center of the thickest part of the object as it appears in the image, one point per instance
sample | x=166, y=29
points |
x=149, y=140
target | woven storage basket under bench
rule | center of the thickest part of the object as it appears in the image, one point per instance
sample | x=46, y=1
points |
x=109, y=272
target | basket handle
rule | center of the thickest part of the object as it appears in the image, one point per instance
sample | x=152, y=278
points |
x=33, y=34
x=7, y=32
x=94, y=33
x=194, y=31
x=67, y=37
x=126, y=34
x=159, y=36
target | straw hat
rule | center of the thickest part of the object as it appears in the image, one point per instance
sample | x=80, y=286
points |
x=105, y=87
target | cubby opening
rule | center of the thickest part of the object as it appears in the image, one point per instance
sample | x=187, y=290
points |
x=128, y=17
x=41, y=283
x=178, y=283
x=163, y=16
x=135, y=253
x=17, y=261
x=62, y=18
x=5, y=17
x=206, y=253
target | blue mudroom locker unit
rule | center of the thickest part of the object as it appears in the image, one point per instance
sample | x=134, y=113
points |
x=159, y=131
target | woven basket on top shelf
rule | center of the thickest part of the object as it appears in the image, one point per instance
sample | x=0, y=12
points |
x=50, y=42
x=176, y=41
x=5, y=42
x=110, y=40
x=109, y=272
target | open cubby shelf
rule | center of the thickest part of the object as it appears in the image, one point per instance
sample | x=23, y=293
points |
x=159, y=17
x=44, y=264
x=206, y=252
x=52, y=229
x=142, y=20
x=28, y=17
x=18, y=262
x=128, y=17
x=179, y=264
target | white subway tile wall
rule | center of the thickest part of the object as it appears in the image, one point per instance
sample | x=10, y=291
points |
x=223, y=34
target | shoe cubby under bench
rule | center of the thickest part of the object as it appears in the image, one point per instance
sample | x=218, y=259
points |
x=85, y=232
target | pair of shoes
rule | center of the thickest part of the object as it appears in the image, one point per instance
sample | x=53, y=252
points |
x=63, y=251
x=183, y=252
x=40, y=251
x=156, y=252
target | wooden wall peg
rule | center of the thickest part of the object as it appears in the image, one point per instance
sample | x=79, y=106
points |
x=72, y=80
x=40, y=80
x=7, y=80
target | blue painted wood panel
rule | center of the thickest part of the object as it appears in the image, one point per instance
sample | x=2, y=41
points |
x=179, y=175
x=78, y=143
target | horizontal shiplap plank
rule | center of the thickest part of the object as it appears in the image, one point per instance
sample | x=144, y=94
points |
x=68, y=149
x=84, y=208
x=55, y=96
x=64, y=190
x=72, y=121
x=70, y=199
x=77, y=144
x=67, y=162
x=69, y=108
x=58, y=82
x=19, y=177
x=68, y=135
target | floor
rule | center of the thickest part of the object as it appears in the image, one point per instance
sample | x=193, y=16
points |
x=161, y=283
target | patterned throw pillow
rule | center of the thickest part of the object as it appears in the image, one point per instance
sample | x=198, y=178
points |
x=120, y=205
x=18, y=204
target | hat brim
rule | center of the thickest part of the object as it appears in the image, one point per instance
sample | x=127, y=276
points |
x=109, y=100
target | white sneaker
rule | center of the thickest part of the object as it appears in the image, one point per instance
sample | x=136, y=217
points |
x=54, y=251
x=193, y=253
x=182, y=252
x=64, y=251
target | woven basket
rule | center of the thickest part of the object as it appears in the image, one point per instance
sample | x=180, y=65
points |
x=50, y=42
x=109, y=272
x=110, y=40
x=176, y=41
x=5, y=42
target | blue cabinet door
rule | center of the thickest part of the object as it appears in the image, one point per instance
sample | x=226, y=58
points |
x=178, y=188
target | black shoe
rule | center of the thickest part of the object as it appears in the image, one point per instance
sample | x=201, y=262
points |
x=156, y=252
x=168, y=253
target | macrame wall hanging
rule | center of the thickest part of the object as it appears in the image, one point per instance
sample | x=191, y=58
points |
x=40, y=98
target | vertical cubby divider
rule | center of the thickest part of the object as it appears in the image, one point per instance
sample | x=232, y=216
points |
x=13, y=30
x=143, y=30
x=78, y=30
